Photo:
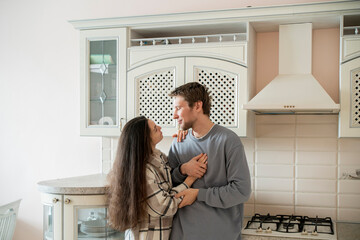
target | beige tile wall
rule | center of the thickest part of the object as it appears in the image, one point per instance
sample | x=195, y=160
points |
x=297, y=166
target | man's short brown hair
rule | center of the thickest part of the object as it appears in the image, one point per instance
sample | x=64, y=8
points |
x=193, y=92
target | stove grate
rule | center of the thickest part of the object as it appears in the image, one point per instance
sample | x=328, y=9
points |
x=291, y=224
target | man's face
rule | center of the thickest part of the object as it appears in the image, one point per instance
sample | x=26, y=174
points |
x=183, y=113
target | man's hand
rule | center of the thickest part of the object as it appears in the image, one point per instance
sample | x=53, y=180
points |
x=196, y=167
x=189, y=196
x=180, y=135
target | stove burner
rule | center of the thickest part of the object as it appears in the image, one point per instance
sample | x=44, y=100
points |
x=318, y=225
x=290, y=224
x=261, y=222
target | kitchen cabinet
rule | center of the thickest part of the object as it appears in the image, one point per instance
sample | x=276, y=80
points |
x=220, y=67
x=350, y=32
x=119, y=81
x=143, y=40
x=103, y=81
x=75, y=208
x=228, y=83
x=52, y=216
x=148, y=89
x=349, y=117
x=350, y=99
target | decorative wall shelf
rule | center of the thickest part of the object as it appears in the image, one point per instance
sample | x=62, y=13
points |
x=232, y=37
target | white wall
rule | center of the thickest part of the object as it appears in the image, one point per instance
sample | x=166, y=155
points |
x=39, y=92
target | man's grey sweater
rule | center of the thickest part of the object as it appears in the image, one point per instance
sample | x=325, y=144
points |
x=218, y=211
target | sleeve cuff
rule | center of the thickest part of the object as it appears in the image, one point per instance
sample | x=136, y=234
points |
x=181, y=187
x=202, y=194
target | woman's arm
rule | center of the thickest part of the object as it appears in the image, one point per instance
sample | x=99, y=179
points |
x=161, y=201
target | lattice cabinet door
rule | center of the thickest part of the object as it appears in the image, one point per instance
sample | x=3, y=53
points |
x=228, y=84
x=148, y=90
x=349, y=121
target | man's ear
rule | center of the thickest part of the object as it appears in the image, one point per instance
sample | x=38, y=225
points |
x=198, y=106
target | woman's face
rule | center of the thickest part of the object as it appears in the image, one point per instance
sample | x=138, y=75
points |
x=155, y=132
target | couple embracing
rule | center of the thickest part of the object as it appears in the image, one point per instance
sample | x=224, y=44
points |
x=196, y=192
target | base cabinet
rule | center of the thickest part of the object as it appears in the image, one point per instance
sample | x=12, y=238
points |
x=69, y=217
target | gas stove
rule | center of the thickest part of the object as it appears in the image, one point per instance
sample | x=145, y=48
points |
x=299, y=227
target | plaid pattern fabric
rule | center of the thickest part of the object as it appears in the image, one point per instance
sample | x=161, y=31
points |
x=162, y=205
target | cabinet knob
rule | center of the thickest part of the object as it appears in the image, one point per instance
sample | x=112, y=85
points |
x=55, y=200
x=67, y=201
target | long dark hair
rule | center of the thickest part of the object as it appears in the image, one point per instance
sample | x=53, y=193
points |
x=127, y=186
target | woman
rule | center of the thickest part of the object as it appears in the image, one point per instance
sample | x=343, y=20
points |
x=141, y=196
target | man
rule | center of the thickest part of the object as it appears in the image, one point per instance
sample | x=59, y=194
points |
x=214, y=206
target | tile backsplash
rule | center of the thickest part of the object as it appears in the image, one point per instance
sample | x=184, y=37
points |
x=297, y=166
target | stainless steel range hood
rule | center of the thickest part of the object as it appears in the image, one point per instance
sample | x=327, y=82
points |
x=294, y=90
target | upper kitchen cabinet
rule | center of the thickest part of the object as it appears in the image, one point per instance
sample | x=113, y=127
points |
x=148, y=89
x=350, y=37
x=214, y=57
x=349, y=118
x=103, y=81
x=228, y=83
x=130, y=64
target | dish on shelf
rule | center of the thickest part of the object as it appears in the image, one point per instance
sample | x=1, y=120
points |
x=98, y=223
x=106, y=121
x=97, y=235
x=96, y=228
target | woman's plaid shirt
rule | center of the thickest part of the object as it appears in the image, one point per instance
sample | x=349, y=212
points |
x=162, y=205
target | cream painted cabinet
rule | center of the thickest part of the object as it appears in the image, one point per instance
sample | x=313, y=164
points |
x=69, y=217
x=349, y=117
x=150, y=84
x=148, y=89
x=228, y=83
x=52, y=216
x=103, y=81
x=350, y=32
x=350, y=99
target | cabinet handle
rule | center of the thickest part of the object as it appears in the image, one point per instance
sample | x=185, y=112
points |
x=67, y=201
x=55, y=200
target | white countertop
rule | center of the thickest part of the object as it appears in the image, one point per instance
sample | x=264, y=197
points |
x=87, y=185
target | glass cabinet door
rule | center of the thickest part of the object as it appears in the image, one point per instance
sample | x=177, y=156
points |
x=52, y=216
x=48, y=218
x=86, y=217
x=103, y=81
